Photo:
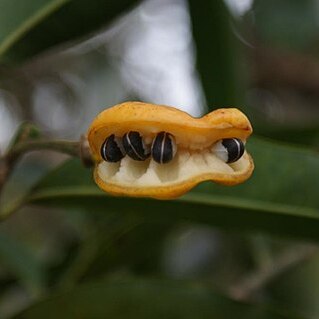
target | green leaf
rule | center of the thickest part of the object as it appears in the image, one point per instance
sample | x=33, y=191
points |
x=138, y=249
x=276, y=21
x=281, y=197
x=218, y=54
x=302, y=134
x=22, y=263
x=116, y=242
x=30, y=27
x=145, y=299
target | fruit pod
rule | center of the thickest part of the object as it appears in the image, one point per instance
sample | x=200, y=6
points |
x=204, y=149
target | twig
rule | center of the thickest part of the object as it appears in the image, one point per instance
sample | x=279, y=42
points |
x=9, y=160
x=25, y=132
x=248, y=287
x=67, y=147
x=27, y=140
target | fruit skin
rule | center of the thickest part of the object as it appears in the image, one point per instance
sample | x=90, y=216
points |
x=150, y=119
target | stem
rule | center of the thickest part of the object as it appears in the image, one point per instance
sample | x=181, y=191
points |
x=68, y=147
x=21, y=145
x=9, y=160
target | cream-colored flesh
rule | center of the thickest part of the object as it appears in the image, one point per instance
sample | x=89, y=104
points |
x=184, y=166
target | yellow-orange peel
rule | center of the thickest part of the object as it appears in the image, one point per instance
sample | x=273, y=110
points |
x=193, y=163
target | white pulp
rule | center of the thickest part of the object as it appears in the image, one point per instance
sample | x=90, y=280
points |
x=184, y=166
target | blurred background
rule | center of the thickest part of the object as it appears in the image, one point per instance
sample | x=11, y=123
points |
x=59, y=69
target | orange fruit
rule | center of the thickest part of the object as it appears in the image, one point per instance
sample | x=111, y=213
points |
x=193, y=163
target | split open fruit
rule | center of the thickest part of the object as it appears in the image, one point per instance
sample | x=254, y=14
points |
x=191, y=145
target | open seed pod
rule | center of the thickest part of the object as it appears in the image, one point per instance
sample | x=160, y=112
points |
x=185, y=150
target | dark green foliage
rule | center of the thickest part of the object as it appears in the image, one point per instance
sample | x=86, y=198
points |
x=145, y=299
x=27, y=28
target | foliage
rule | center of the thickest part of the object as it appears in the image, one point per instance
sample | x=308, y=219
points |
x=125, y=234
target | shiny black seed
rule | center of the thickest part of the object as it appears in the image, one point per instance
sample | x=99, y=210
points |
x=111, y=149
x=135, y=147
x=163, y=148
x=235, y=149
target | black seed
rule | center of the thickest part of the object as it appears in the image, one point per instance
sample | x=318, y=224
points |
x=163, y=148
x=135, y=147
x=235, y=149
x=157, y=147
x=111, y=149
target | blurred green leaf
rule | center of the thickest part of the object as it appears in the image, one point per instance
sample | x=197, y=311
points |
x=30, y=27
x=21, y=263
x=286, y=23
x=145, y=299
x=298, y=289
x=218, y=54
x=280, y=198
x=136, y=249
x=298, y=133
x=116, y=242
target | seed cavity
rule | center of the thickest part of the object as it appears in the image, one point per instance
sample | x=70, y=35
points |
x=229, y=150
x=163, y=148
x=112, y=149
x=135, y=147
